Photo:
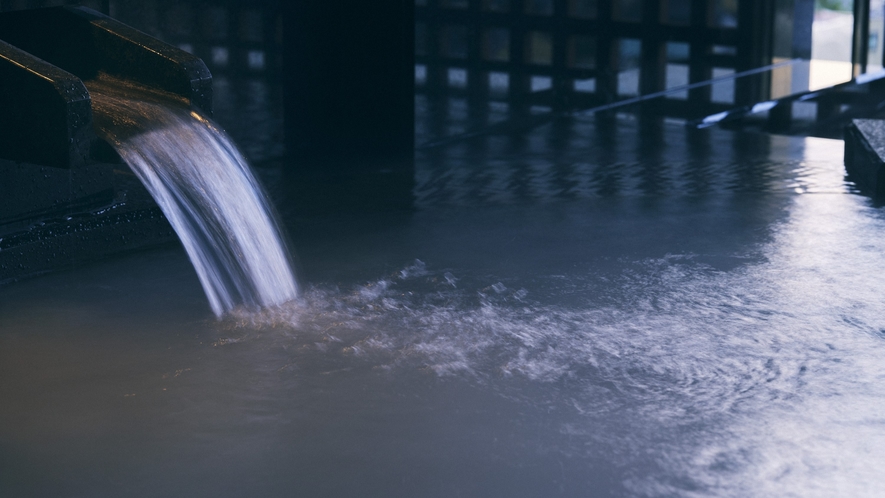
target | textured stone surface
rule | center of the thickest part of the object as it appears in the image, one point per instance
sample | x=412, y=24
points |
x=873, y=131
x=30, y=192
x=83, y=230
x=865, y=155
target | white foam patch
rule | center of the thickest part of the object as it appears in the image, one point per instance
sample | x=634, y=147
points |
x=693, y=348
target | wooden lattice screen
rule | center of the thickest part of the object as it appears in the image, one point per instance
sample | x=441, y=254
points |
x=581, y=53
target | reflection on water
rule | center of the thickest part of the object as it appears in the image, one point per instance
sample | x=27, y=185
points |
x=669, y=315
x=564, y=159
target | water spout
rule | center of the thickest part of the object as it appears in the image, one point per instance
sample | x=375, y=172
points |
x=206, y=190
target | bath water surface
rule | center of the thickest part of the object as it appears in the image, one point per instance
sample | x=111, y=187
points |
x=726, y=341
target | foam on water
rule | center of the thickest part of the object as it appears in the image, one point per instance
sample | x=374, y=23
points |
x=205, y=189
x=759, y=381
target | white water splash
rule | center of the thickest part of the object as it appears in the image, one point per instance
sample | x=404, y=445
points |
x=206, y=190
x=761, y=381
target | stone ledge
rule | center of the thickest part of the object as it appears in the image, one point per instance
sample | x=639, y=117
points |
x=865, y=156
x=79, y=232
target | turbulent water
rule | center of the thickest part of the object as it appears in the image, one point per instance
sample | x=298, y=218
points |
x=687, y=378
x=205, y=189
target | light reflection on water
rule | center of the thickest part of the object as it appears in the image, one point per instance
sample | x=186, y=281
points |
x=636, y=343
x=760, y=381
x=586, y=158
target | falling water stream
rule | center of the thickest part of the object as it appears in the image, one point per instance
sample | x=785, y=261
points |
x=206, y=190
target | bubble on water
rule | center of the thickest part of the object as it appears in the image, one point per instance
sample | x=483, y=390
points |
x=417, y=269
x=450, y=279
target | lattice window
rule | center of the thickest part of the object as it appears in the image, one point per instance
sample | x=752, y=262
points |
x=582, y=53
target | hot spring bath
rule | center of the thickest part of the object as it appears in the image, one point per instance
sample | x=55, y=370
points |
x=687, y=320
